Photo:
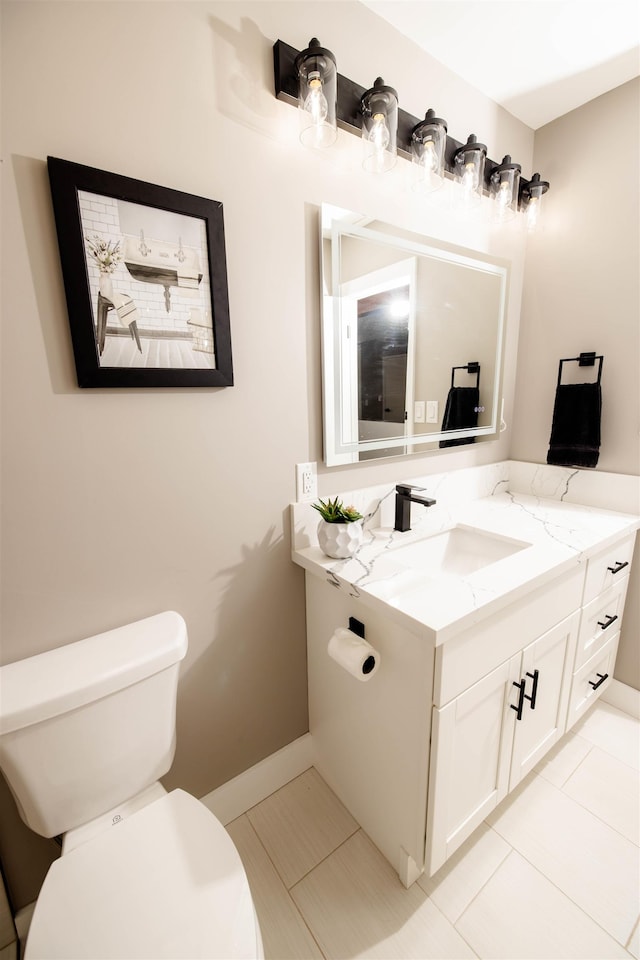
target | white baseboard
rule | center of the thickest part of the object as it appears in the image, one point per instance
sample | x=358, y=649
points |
x=243, y=792
x=624, y=697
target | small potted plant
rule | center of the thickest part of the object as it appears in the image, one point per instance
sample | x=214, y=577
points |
x=339, y=530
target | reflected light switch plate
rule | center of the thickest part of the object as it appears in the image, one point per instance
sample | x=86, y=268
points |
x=418, y=411
x=432, y=411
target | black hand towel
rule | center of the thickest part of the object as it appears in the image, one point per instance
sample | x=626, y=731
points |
x=460, y=412
x=575, y=430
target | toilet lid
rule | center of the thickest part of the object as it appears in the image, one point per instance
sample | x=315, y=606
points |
x=165, y=882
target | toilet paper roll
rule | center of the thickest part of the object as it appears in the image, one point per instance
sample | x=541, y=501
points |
x=354, y=654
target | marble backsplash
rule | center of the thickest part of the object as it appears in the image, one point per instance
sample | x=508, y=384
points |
x=607, y=491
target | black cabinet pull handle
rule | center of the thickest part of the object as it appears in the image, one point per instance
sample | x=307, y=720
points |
x=520, y=705
x=602, y=676
x=607, y=622
x=534, y=689
x=618, y=566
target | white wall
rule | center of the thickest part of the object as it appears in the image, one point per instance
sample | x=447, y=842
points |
x=582, y=292
x=121, y=503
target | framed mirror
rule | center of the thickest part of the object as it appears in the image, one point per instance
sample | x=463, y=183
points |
x=412, y=340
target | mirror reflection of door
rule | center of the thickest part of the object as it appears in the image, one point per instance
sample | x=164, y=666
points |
x=378, y=347
x=383, y=335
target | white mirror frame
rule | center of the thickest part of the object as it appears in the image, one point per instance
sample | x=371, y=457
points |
x=338, y=361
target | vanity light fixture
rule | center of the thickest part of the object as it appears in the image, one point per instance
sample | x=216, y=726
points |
x=428, y=142
x=504, y=187
x=531, y=199
x=310, y=81
x=469, y=160
x=317, y=95
x=379, y=107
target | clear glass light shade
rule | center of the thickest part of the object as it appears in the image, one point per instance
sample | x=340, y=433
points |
x=532, y=200
x=379, y=107
x=469, y=163
x=317, y=95
x=504, y=190
x=428, y=142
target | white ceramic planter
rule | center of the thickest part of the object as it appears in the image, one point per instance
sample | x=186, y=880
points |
x=339, y=540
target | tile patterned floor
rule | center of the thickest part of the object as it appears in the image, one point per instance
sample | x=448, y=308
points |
x=553, y=873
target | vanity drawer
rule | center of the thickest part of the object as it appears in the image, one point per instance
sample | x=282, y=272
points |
x=591, y=680
x=607, y=568
x=600, y=620
x=473, y=653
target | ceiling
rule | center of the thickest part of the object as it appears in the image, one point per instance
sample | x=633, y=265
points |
x=538, y=59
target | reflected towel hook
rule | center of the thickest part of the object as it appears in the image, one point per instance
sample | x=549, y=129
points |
x=472, y=367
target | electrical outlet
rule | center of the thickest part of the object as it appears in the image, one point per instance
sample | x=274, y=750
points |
x=306, y=481
x=418, y=411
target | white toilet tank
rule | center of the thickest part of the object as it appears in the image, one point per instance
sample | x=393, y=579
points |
x=87, y=726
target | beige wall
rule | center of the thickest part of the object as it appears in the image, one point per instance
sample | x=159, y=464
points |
x=121, y=503
x=582, y=292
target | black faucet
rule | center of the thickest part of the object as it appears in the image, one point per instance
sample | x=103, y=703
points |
x=404, y=496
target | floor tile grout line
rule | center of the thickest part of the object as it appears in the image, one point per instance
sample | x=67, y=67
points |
x=493, y=872
x=633, y=930
x=580, y=762
x=583, y=805
x=561, y=789
x=478, y=892
x=277, y=790
x=295, y=906
x=612, y=756
x=461, y=935
x=326, y=857
x=601, y=819
x=566, y=894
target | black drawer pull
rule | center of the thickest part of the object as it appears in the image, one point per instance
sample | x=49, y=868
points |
x=518, y=709
x=534, y=689
x=607, y=622
x=602, y=676
x=618, y=567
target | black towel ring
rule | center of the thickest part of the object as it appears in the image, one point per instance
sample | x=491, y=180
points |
x=472, y=367
x=584, y=360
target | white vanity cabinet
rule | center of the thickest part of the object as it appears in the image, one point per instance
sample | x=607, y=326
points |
x=491, y=734
x=457, y=715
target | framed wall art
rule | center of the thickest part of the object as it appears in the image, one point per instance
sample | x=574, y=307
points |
x=145, y=278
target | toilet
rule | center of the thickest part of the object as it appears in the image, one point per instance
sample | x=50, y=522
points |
x=86, y=731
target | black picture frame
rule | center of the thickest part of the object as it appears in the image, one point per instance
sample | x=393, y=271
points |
x=181, y=346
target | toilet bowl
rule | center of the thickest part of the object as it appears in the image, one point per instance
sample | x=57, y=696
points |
x=85, y=731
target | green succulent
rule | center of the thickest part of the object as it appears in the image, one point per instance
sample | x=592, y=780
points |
x=334, y=511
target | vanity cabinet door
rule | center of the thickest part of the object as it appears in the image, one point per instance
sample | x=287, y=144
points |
x=470, y=755
x=546, y=672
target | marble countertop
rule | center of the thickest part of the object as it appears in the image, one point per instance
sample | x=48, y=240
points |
x=557, y=537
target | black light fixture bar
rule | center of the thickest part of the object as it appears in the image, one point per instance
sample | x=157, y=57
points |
x=349, y=116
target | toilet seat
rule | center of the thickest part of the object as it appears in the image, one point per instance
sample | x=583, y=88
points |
x=166, y=882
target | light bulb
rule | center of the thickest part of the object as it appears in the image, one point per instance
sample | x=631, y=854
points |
x=379, y=134
x=316, y=103
x=503, y=197
x=533, y=212
x=470, y=178
x=430, y=157
x=504, y=194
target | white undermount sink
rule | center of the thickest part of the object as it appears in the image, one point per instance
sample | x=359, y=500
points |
x=458, y=552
